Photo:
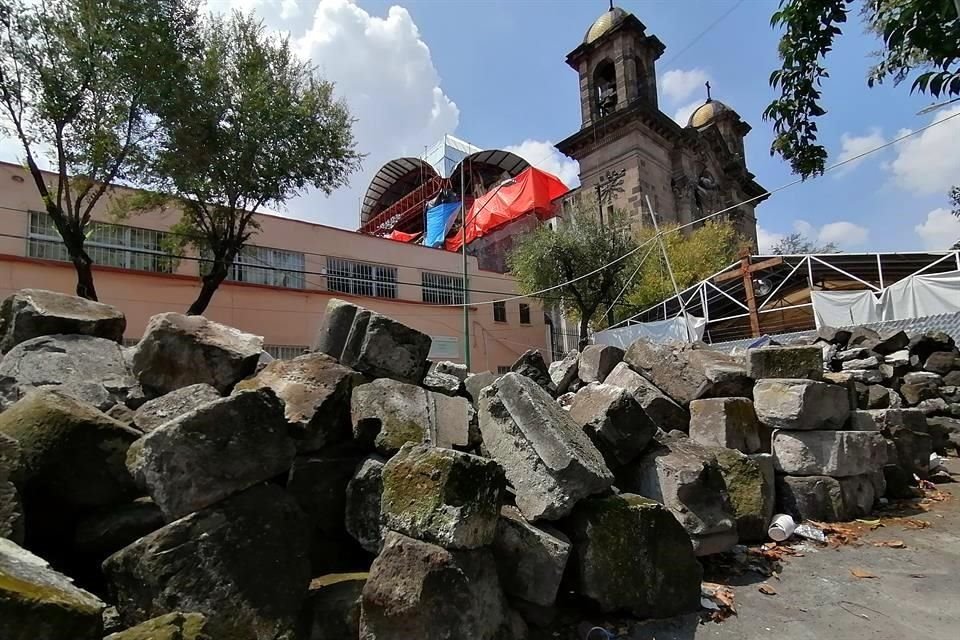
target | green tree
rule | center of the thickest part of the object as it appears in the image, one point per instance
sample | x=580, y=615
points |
x=80, y=81
x=797, y=243
x=546, y=258
x=254, y=126
x=955, y=209
x=693, y=257
x=920, y=36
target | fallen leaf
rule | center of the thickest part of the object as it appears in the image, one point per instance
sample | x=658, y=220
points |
x=861, y=573
x=872, y=523
x=911, y=523
x=892, y=544
x=767, y=590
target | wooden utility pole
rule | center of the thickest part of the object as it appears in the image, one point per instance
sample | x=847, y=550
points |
x=746, y=272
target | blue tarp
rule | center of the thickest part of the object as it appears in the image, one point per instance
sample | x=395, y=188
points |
x=440, y=218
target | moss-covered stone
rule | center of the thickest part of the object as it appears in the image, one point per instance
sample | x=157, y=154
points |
x=633, y=555
x=172, y=626
x=442, y=496
x=37, y=602
x=750, y=488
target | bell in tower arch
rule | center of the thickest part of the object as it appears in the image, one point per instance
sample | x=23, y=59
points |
x=605, y=81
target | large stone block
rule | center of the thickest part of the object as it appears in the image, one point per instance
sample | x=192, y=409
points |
x=785, y=362
x=89, y=369
x=532, y=365
x=530, y=559
x=337, y=321
x=334, y=606
x=153, y=413
x=891, y=341
x=685, y=477
x=442, y=496
x=886, y=419
x=315, y=391
x=563, y=372
x=178, y=351
x=614, y=420
x=241, y=563
x=31, y=313
x=728, y=422
x=598, y=360
x=824, y=498
x=632, y=555
x=388, y=414
x=11, y=508
x=171, y=626
x=941, y=362
x=477, y=382
x=828, y=453
x=913, y=450
x=662, y=410
x=751, y=491
x=37, y=602
x=930, y=342
x=420, y=590
x=688, y=372
x=788, y=403
x=547, y=458
x=363, y=496
x=381, y=347
x=214, y=451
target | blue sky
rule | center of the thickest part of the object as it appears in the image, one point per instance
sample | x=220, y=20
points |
x=493, y=72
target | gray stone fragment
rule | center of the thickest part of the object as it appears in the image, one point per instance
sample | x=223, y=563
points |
x=785, y=362
x=886, y=419
x=857, y=353
x=156, y=412
x=171, y=626
x=530, y=559
x=333, y=603
x=786, y=403
x=632, y=555
x=614, y=420
x=11, y=508
x=923, y=377
x=92, y=370
x=178, y=351
x=865, y=363
x=833, y=335
x=363, y=519
x=916, y=392
x=242, y=563
x=952, y=379
x=929, y=342
x=37, y=602
x=878, y=397
x=532, y=365
x=688, y=372
x=863, y=336
x=444, y=383
x=662, y=410
x=826, y=499
x=337, y=321
x=547, y=458
x=727, y=422
x=476, y=382
x=214, y=451
x=315, y=391
x=419, y=590
x=891, y=341
x=563, y=372
x=913, y=450
x=112, y=528
x=941, y=362
x=451, y=368
x=31, y=313
x=597, y=361
x=442, y=496
x=944, y=434
x=828, y=453
x=865, y=376
x=381, y=347
x=749, y=481
x=685, y=477
x=899, y=358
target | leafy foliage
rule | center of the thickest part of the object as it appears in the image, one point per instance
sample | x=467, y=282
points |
x=252, y=126
x=693, y=257
x=80, y=81
x=797, y=243
x=955, y=209
x=546, y=258
x=917, y=35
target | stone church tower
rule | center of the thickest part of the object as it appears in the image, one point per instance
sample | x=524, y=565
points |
x=686, y=171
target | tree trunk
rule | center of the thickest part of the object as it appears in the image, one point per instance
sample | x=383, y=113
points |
x=584, y=325
x=85, y=288
x=211, y=282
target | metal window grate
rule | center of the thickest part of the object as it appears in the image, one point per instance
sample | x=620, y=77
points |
x=111, y=245
x=502, y=370
x=524, y=313
x=285, y=351
x=273, y=267
x=500, y=311
x=439, y=288
x=361, y=278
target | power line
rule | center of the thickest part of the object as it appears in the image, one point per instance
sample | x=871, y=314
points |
x=703, y=33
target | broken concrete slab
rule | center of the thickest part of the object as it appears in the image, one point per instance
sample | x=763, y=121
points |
x=563, y=372
x=686, y=372
x=597, y=361
x=799, y=404
x=530, y=558
x=614, y=420
x=31, y=313
x=532, y=365
x=381, y=347
x=828, y=453
x=662, y=410
x=785, y=362
x=727, y=422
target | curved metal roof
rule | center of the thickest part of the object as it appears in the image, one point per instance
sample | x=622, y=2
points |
x=510, y=162
x=393, y=181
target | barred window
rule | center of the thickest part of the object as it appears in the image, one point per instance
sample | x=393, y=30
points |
x=499, y=311
x=285, y=351
x=273, y=267
x=502, y=370
x=361, y=278
x=524, y=313
x=110, y=245
x=440, y=288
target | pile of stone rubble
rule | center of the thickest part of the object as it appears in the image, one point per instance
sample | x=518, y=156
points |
x=190, y=486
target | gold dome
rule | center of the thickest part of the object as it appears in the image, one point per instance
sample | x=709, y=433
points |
x=706, y=113
x=604, y=23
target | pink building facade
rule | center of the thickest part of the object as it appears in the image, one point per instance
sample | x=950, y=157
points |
x=281, y=285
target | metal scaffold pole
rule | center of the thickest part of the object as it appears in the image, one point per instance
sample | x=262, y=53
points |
x=466, y=278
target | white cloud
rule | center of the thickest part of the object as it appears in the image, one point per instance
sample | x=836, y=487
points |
x=682, y=116
x=929, y=163
x=767, y=240
x=678, y=84
x=843, y=234
x=543, y=155
x=851, y=146
x=273, y=12
x=940, y=230
x=805, y=228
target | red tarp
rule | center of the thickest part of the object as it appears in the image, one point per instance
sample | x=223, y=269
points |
x=532, y=191
x=400, y=236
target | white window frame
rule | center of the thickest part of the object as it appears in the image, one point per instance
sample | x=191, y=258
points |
x=361, y=278
x=441, y=288
x=269, y=267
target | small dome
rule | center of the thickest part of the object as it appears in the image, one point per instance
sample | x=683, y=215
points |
x=707, y=113
x=604, y=23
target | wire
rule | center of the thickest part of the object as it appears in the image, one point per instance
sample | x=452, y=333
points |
x=702, y=33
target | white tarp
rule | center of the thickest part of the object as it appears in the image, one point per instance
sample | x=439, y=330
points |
x=913, y=297
x=659, y=331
